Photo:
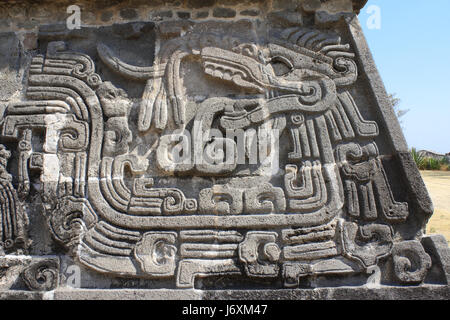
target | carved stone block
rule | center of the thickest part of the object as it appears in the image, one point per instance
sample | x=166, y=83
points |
x=173, y=151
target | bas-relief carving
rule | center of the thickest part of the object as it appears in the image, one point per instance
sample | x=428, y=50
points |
x=13, y=216
x=325, y=207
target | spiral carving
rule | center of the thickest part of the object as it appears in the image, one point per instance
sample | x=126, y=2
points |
x=411, y=262
x=347, y=70
x=311, y=93
x=70, y=217
x=42, y=276
x=173, y=202
x=297, y=118
x=94, y=80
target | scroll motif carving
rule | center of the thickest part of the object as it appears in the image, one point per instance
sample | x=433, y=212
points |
x=156, y=253
x=411, y=262
x=260, y=253
x=367, y=243
x=70, y=217
x=42, y=275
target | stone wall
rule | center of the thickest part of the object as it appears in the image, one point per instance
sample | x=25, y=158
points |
x=175, y=145
x=26, y=15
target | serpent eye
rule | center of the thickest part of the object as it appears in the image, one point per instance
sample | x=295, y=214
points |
x=281, y=66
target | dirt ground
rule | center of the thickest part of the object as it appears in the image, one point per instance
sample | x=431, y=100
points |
x=438, y=185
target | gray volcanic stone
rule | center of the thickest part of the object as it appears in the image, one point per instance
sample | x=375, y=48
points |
x=30, y=41
x=343, y=293
x=221, y=12
x=436, y=246
x=205, y=154
x=250, y=12
x=102, y=4
x=311, y=5
x=184, y=15
x=106, y=16
x=286, y=4
x=324, y=19
x=161, y=14
x=201, y=14
x=128, y=13
x=10, y=63
x=197, y=4
x=286, y=18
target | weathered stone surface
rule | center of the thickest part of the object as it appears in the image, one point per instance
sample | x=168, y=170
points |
x=428, y=292
x=325, y=19
x=183, y=15
x=197, y=4
x=106, y=16
x=201, y=14
x=161, y=14
x=128, y=13
x=21, y=295
x=221, y=12
x=242, y=145
x=311, y=5
x=29, y=272
x=11, y=61
x=436, y=246
x=286, y=18
x=250, y=12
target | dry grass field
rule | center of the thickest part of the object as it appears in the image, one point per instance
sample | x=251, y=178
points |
x=438, y=185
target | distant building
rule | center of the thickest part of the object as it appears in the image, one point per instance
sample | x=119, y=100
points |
x=434, y=155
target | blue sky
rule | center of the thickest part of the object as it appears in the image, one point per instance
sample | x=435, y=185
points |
x=412, y=53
